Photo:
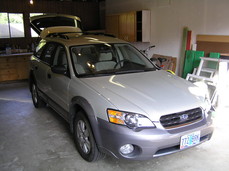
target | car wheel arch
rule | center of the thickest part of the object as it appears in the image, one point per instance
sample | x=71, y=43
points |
x=81, y=104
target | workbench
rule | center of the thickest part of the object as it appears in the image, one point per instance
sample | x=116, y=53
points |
x=14, y=66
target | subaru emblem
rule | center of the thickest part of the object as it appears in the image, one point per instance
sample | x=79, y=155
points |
x=183, y=117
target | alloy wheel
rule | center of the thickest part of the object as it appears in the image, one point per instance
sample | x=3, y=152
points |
x=83, y=137
x=34, y=92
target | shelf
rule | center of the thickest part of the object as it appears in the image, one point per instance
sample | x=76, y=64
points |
x=130, y=26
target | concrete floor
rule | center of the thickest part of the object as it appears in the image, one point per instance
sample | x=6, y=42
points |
x=38, y=139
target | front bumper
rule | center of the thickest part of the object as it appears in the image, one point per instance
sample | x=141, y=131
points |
x=148, y=143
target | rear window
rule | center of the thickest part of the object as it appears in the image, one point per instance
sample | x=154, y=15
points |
x=46, y=22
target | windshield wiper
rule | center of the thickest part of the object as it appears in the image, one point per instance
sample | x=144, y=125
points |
x=97, y=74
x=106, y=73
x=150, y=69
x=130, y=71
x=134, y=70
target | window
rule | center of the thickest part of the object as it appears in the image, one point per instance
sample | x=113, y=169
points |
x=99, y=59
x=60, y=57
x=11, y=25
x=40, y=48
x=48, y=53
x=33, y=33
x=129, y=53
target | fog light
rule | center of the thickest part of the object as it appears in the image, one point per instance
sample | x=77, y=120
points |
x=127, y=149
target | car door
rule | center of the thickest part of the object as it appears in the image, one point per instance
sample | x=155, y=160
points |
x=42, y=66
x=59, y=83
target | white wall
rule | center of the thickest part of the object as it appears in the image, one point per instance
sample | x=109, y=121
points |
x=169, y=17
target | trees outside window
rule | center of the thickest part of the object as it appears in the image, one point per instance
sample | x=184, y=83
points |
x=11, y=25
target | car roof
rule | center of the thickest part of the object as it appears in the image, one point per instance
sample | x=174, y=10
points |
x=75, y=39
x=54, y=28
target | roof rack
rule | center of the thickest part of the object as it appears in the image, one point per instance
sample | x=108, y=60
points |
x=98, y=33
x=58, y=31
x=64, y=36
x=60, y=35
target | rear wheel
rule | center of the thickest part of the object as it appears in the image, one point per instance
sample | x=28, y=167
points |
x=36, y=98
x=84, y=139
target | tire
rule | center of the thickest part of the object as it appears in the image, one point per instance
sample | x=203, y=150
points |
x=84, y=139
x=37, y=101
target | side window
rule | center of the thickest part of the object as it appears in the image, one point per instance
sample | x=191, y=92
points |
x=60, y=57
x=39, y=49
x=48, y=52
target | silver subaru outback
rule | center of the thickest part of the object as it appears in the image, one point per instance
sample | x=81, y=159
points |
x=114, y=98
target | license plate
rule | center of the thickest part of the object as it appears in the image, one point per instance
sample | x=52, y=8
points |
x=190, y=140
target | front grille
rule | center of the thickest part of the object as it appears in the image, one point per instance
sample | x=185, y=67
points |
x=181, y=118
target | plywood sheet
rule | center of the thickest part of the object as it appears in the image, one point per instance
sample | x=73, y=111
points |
x=212, y=38
x=213, y=43
x=207, y=47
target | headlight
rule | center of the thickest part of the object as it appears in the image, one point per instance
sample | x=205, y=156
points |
x=131, y=120
x=207, y=104
x=202, y=92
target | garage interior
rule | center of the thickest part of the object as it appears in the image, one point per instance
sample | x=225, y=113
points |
x=39, y=139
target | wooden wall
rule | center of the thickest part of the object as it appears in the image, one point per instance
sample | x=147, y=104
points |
x=87, y=11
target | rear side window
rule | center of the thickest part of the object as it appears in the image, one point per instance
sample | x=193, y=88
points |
x=48, y=53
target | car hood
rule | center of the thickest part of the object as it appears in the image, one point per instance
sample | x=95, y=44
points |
x=152, y=93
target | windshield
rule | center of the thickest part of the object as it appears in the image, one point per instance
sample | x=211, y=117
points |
x=108, y=59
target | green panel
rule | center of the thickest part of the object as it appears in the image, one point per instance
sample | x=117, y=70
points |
x=196, y=61
x=214, y=55
x=188, y=63
x=192, y=60
x=183, y=50
x=211, y=64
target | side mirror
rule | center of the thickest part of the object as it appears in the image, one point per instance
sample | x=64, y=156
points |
x=59, y=69
x=153, y=59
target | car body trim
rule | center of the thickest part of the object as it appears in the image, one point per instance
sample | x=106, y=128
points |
x=150, y=143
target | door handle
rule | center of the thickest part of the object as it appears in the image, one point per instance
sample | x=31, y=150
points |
x=49, y=76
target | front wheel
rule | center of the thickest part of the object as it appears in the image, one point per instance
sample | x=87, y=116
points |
x=84, y=139
x=37, y=101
